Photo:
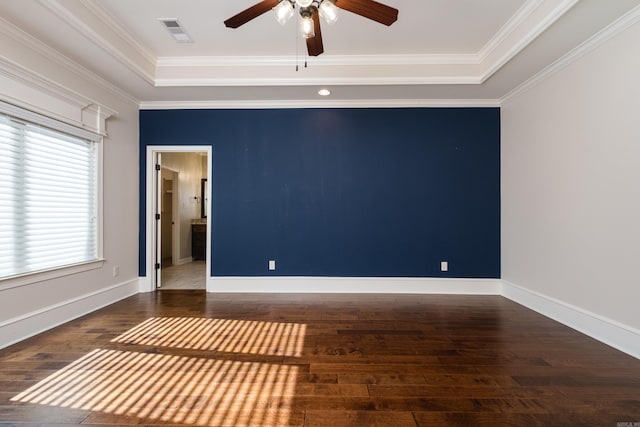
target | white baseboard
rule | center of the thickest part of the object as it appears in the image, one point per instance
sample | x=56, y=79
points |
x=608, y=331
x=30, y=324
x=615, y=334
x=373, y=285
x=184, y=261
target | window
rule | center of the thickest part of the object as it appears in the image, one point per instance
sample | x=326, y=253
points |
x=48, y=194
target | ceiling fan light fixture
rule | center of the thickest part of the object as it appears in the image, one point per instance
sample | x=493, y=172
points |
x=310, y=15
x=329, y=11
x=307, y=27
x=283, y=11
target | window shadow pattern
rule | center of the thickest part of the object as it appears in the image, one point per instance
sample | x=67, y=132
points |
x=192, y=371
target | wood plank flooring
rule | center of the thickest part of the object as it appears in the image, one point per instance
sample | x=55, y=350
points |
x=179, y=357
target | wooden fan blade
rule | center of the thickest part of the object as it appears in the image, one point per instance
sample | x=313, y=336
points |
x=251, y=13
x=314, y=44
x=370, y=9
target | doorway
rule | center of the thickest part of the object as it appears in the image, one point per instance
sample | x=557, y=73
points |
x=170, y=209
x=176, y=209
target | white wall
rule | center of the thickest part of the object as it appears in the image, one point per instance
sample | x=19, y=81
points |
x=571, y=184
x=189, y=168
x=35, y=78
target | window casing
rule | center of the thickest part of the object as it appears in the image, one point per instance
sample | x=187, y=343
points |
x=49, y=194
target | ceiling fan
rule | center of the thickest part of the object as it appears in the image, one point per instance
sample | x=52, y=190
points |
x=310, y=11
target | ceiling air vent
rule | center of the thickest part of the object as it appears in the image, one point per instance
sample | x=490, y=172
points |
x=176, y=30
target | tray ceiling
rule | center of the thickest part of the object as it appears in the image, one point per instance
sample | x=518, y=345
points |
x=437, y=50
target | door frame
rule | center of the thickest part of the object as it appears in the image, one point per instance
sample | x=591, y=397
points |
x=147, y=284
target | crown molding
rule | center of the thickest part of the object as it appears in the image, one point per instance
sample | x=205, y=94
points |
x=432, y=69
x=79, y=21
x=623, y=23
x=353, y=60
x=56, y=57
x=525, y=11
x=528, y=22
x=317, y=103
x=335, y=70
x=118, y=29
x=551, y=11
x=313, y=81
x=324, y=60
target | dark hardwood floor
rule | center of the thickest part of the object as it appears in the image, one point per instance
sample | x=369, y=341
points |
x=188, y=358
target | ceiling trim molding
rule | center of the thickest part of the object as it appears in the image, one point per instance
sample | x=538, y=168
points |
x=324, y=60
x=111, y=22
x=141, y=67
x=525, y=13
x=620, y=25
x=523, y=27
x=56, y=57
x=472, y=68
x=313, y=103
x=508, y=28
x=314, y=81
x=522, y=42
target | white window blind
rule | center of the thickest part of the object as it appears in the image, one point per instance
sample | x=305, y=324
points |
x=48, y=198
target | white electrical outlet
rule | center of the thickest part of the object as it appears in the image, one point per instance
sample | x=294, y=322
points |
x=444, y=266
x=116, y=270
x=272, y=264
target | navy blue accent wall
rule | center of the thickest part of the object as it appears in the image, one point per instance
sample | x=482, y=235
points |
x=345, y=192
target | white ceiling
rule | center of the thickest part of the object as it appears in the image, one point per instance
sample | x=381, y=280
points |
x=424, y=27
x=475, y=51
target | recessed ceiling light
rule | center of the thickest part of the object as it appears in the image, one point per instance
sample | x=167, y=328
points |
x=324, y=92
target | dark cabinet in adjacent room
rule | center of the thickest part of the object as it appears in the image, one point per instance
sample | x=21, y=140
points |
x=199, y=241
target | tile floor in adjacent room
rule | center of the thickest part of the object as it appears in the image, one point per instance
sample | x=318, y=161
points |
x=186, y=276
